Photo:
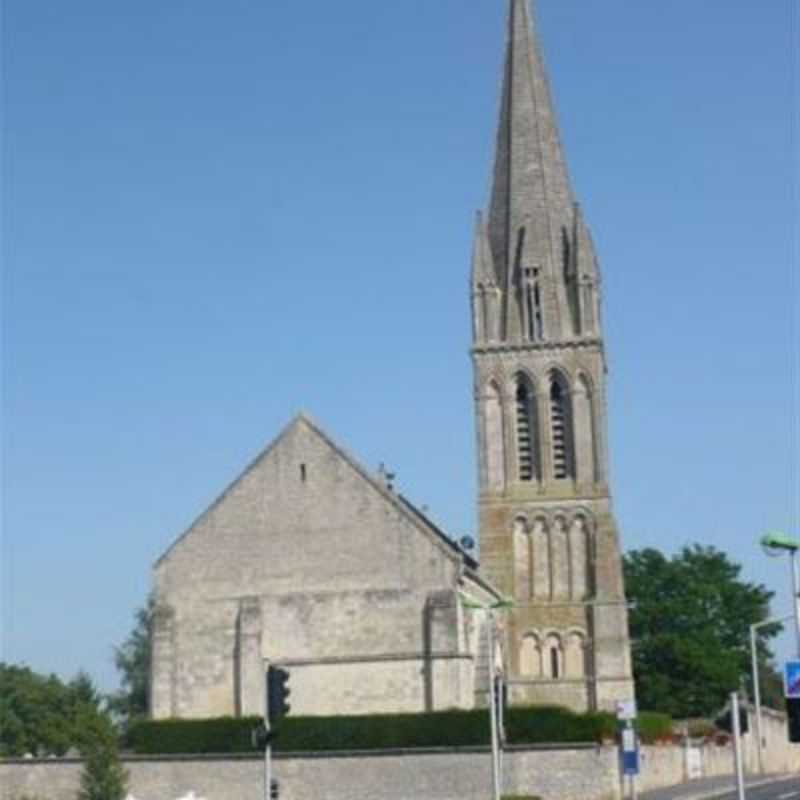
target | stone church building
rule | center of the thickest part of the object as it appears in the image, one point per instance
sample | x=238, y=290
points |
x=309, y=561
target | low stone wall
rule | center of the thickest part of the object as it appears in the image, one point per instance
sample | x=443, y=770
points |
x=577, y=774
x=558, y=773
x=670, y=765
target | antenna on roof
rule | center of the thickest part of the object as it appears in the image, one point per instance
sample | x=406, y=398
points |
x=386, y=477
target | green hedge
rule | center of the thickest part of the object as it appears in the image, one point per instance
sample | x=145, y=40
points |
x=221, y=735
x=535, y=725
x=654, y=727
x=556, y=725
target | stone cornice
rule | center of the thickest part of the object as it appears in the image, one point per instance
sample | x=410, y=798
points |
x=543, y=347
x=368, y=659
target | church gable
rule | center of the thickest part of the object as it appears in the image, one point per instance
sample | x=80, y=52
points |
x=306, y=508
x=309, y=561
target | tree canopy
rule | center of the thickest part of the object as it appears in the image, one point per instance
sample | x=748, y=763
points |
x=132, y=659
x=42, y=715
x=690, y=623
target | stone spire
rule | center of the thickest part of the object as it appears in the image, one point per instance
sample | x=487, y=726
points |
x=532, y=211
x=547, y=529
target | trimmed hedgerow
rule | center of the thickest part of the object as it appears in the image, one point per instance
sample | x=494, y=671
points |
x=170, y=736
x=654, y=727
x=534, y=725
x=556, y=725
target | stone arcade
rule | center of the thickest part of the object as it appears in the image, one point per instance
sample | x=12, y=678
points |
x=309, y=561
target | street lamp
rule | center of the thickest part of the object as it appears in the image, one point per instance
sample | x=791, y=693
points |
x=503, y=605
x=756, y=683
x=774, y=544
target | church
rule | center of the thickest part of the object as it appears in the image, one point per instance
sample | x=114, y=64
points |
x=311, y=562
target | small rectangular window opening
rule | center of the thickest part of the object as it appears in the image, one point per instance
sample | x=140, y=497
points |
x=554, y=663
x=303, y=473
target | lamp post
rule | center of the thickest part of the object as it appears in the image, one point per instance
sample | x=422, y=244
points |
x=757, y=683
x=499, y=605
x=774, y=543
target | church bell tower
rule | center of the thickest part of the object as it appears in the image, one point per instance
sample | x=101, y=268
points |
x=548, y=536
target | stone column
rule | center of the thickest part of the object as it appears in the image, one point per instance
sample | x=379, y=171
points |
x=249, y=665
x=163, y=702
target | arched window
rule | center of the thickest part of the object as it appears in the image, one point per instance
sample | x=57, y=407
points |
x=575, y=655
x=561, y=428
x=554, y=657
x=532, y=309
x=493, y=435
x=522, y=561
x=579, y=553
x=530, y=656
x=542, y=575
x=527, y=430
x=560, y=562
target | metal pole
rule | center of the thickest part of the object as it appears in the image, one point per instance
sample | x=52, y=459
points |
x=501, y=724
x=796, y=597
x=267, y=771
x=493, y=709
x=757, y=697
x=737, y=746
x=268, y=728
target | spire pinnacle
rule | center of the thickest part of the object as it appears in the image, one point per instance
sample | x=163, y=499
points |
x=531, y=206
x=482, y=265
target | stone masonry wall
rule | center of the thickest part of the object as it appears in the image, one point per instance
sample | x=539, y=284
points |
x=581, y=774
x=590, y=773
x=307, y=561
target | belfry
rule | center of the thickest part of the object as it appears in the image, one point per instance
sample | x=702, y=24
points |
x=548, y=534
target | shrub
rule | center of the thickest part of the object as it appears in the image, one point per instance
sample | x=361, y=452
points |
x=555, y=725
x=700, y=728
x=654, y=727
x=519, y=797
x=534, y=725
x=169, y=736
x=102, y=777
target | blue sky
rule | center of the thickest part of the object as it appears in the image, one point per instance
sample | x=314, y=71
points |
x=216, y=214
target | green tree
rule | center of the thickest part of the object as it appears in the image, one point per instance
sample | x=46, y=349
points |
x=132, y=659
x=690, y=628
x=102, y=777
x=42, y=715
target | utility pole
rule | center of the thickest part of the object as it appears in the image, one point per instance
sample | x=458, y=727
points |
x=737, y=745
x=774, y=544
x=493, y=709
x=757, y=683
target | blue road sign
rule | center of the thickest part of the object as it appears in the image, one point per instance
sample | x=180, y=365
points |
x=630, y=752
x=630, y=762
x=791, y=679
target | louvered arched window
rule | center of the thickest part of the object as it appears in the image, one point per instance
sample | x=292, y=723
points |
x=561, y=433
x=527, y=430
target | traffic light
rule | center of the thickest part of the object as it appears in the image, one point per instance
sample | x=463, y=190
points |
x=277, y=693
x=274, y=789
x=793, y=710
x=260, y=737
x=725, y=721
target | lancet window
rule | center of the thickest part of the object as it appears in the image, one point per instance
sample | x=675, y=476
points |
x=561, y=429
x=530, y=656
x=532, y=301
x=527, y=431
x=554, y=657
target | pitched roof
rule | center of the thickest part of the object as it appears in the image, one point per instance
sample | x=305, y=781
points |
x=403, y=505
